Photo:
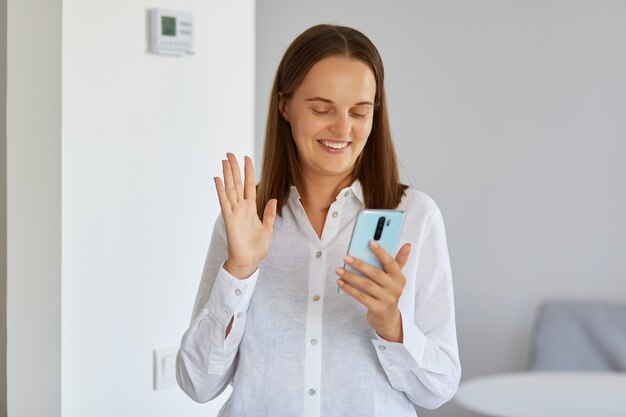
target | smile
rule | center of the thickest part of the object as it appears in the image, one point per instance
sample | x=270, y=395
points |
x=337, y=145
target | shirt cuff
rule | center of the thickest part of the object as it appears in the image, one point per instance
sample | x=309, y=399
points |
x=398, y=358
x=230, y=295
x=230, y=298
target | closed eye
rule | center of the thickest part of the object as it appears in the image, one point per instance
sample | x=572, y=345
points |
x=360, y=112
x=320, y=112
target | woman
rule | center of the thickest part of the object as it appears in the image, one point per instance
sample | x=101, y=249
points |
x=268, y=317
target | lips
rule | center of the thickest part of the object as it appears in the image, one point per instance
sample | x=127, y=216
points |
x=334, y=144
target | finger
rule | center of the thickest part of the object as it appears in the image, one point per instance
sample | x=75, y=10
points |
x=369, y=270
x=221, y=196
x=234, y=165
x=365, y=299
x=403, y=255
x=389, y=264
x=269, y=214
x=229, y=185
x=249, y=189
x=365, y=284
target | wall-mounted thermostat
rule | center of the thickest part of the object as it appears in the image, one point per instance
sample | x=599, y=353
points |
x=171, y=32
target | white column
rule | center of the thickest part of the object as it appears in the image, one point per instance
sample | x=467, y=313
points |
x=33, y=163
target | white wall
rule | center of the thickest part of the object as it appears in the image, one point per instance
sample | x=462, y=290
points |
x=124, y=202
x=33, y=198
x=143, y=136
x=511, y=115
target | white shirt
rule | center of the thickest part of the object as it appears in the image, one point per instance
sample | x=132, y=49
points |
x=298, y=348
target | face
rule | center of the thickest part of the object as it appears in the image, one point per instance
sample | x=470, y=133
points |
x=331, y=115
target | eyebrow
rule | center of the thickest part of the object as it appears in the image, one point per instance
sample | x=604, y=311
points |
x=325, y=100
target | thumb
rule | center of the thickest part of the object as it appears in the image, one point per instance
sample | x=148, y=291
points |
x=269, y=214
x=403, y=255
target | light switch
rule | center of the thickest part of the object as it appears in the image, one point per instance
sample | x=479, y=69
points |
x=165, y=368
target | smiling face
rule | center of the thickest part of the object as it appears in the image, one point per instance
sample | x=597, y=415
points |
x=331, y=115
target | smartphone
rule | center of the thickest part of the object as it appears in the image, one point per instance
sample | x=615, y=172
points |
x=382, y=226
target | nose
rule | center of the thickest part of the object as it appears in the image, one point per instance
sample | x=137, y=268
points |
x=341, y=125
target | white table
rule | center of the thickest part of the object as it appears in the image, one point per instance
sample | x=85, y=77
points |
x=546, y=394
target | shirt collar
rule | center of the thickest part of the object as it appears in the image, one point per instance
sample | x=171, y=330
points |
x=355, y=189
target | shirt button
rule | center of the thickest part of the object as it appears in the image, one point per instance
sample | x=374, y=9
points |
x=346, y=194
x=335, y=214
x=237, y=291
x=239, y=315
x=313, y=342
x=316, y=298
x=311, y=391
x=318, y=254
x=381, y=347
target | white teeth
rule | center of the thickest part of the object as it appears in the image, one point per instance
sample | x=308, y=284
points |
x=334, y=145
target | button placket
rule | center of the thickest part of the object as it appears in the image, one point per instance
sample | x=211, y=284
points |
x=331, y=227
x=314, y=313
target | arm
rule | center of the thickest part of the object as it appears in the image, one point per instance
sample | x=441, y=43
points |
x=206, y=359
x=425, y=366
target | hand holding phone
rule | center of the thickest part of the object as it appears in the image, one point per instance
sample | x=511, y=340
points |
x=382, y=226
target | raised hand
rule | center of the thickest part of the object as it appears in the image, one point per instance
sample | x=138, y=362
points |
x=248, y=238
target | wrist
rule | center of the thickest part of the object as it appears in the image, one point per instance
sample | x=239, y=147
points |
x=239, y=272
x=393, y=332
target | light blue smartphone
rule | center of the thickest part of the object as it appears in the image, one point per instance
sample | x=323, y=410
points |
x=383, y=226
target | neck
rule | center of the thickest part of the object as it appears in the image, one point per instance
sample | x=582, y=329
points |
x=320, y=191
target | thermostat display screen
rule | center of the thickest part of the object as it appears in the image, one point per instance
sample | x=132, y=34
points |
x=168, y=26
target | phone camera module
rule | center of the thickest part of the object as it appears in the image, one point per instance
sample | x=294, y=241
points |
x=379, y=228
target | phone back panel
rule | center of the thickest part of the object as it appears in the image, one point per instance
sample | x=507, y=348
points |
x=364, y=231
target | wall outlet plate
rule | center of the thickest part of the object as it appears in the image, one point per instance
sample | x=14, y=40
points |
x=165, y=368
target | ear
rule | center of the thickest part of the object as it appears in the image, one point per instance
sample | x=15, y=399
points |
x=282, y=106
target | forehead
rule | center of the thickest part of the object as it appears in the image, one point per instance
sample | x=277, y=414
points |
x=339, y=78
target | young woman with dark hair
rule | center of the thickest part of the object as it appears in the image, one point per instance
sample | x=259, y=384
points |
x=268, y=318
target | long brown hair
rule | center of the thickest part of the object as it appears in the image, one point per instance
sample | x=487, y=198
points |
x=376, y=168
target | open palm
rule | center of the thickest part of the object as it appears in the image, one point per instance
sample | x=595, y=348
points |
x=248, y=237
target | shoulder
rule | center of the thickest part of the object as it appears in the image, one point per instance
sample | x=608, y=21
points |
x=421, y=212
x=416, y=201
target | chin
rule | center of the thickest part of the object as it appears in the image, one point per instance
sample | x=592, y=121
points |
x=335, y=171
